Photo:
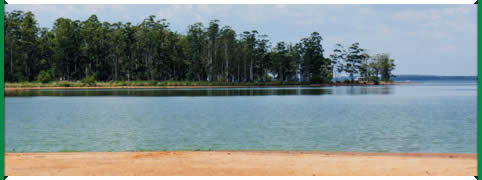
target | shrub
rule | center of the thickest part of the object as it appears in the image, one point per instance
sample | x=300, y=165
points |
x=64, y=84
x=268, y=78
x=89, y=81
x=18, y=76
x=122, y=83
x=44, y=77
x=316, y=80
x=152, y=83
x=374, y=79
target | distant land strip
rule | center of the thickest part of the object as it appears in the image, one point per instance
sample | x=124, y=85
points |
x=20, y=87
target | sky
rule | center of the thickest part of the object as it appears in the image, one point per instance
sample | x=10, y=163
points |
x=423, y=39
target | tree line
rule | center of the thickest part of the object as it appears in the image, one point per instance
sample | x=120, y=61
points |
x=74, y=50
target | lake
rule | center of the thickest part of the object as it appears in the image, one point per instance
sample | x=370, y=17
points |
x=422, y=117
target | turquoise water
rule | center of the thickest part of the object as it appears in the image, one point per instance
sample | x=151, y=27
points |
x=425, y=117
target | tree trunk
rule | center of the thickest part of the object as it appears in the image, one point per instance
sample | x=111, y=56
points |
x=251, y=70
x=116, y=61
x=245, y=75
x=226, y=68
x=11, y=60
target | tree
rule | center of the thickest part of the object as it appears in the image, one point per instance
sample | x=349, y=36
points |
x=212, y=34
x=195, y=47
x=363, y=68
x=45, y=51
x=381, y=65
x=279, y=57
x=74, y=50
x=117, y=46
x=338, y=58
x=260, y=53
x=228, y=43
x=386, y=66
x=314, y=65
x=44, y=77
x=66, y=47
x=12, y=22
x=353, y=60
x=90, y=31
x=29, y=45
x=249, y=43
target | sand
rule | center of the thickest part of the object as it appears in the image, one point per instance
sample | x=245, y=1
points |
x=238, y=163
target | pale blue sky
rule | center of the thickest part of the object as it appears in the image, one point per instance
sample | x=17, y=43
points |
x=424, y=39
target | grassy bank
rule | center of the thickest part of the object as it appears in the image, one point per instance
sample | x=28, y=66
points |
x=143, y=83
x=140, y=84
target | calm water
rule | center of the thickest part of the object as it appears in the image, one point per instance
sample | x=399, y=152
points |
x=426, y=117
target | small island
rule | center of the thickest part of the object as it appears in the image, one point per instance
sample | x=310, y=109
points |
x=91, y=53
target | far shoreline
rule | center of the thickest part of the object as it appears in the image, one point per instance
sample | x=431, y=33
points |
x=102, y=86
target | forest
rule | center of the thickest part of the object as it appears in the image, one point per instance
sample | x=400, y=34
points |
x=74, y=50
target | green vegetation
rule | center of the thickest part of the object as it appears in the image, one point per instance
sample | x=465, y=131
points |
x=149, y=53
x=355, y=60
x=26, y=84
x=44, y=77
x=89, y=81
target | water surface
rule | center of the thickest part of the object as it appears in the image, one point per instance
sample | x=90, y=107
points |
x=424, y=117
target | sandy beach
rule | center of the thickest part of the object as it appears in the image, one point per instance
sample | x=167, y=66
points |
x=239, y=163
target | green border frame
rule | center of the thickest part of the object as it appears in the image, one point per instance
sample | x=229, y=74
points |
x=479, y=98
x=2, y=124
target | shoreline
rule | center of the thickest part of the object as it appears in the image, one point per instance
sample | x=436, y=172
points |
x=228, y=162
x=203, y=86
